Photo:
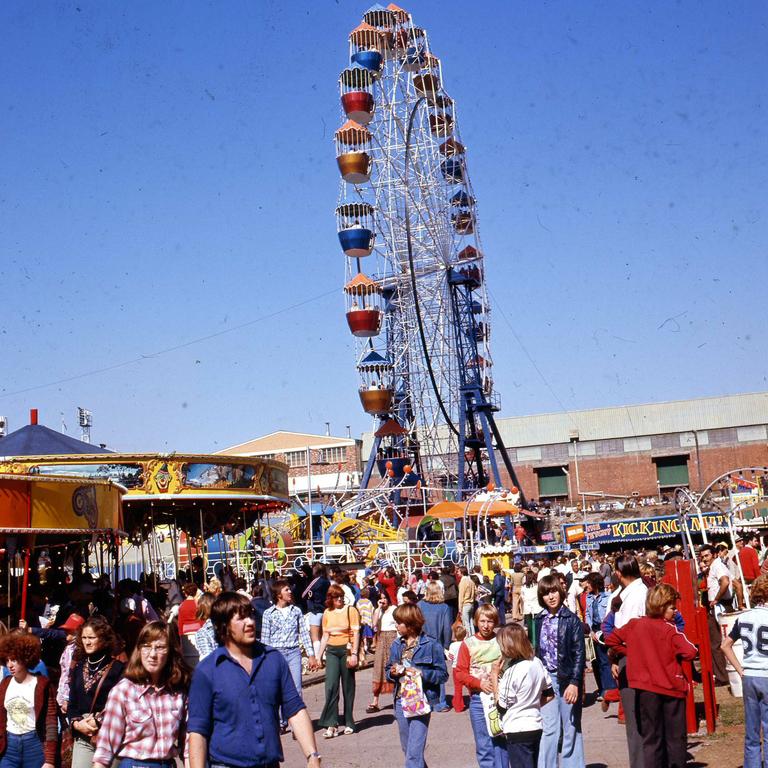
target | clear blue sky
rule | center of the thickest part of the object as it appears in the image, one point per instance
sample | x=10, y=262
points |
x=167, y=173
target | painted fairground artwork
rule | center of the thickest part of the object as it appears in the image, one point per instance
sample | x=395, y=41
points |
x=128, y=475
x=218, y=475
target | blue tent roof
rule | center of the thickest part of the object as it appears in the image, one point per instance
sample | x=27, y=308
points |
x=37, y=440
x=374, y=360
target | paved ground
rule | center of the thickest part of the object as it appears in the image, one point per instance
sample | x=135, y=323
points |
x=450, y=743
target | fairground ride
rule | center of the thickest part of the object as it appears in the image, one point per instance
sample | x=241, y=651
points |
x=415, y=290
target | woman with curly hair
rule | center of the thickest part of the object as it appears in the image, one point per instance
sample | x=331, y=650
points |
x=95, y=672
x=146, y=710
x=28, y=723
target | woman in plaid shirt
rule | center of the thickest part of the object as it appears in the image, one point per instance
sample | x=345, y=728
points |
x=283, y=628
x=145, y=713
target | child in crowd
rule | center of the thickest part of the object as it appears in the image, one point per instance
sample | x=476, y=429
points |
x=451, y=656
x=365, y=607
x=751, y=628
x=654, y=648
x=521, y=685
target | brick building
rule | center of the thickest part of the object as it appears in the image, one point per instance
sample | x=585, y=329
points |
x=637, y=450
x=633, y=450
x=328, y=465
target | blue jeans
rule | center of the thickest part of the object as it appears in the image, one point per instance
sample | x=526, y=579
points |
x=490, y=753
x=467, y=610
x=524, y=754
x=293, y=658
x=606, y=681
x=413, y=736
x=23, y=751
x=559, y=715
x=755, y=691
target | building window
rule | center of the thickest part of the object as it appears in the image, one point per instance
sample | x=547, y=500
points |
x=553, y=482
x=269, y=456
x=671, y=471
x=335, y=455
x=296, y=458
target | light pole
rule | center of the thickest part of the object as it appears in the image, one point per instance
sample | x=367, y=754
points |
x=698, y=458
x=574, y=438
x=309, y=493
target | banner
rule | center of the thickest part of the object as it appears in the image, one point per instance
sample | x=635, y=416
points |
x=612, y=531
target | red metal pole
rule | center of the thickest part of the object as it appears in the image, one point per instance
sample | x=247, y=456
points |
x=25, y=578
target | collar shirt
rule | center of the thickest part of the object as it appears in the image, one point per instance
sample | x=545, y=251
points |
x=632, y=602
x=205, y=640
x=717, y=570
x=285, y=629
x=237, y=712
x=140, y=722
x=548, y=642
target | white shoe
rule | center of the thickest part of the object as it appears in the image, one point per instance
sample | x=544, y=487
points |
x=348, y=731
x=330, y=732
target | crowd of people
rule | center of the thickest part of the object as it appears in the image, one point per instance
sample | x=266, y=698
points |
x=146, y=674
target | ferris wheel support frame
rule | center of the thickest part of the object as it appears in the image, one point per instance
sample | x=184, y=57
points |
x=473, y=399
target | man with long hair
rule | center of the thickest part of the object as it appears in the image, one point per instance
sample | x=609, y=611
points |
x=236, y=695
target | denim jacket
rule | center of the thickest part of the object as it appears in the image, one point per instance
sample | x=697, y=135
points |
x=428, y=658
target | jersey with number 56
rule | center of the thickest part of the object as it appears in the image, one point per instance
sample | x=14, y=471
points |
x=752, y=629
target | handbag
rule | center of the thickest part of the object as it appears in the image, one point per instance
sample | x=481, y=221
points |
x=66, y=742
x=98, y=716
x=589, y=648
x=349, y=645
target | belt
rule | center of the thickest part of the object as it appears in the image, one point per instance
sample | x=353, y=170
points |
x=256, y=765
x=128, y=762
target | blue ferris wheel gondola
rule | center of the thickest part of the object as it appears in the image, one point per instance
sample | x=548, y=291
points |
x=356, y=241
x=371, y=60
x=461, y=198
x=452, y=169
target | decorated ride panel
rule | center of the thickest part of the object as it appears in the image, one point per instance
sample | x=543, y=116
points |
x=58, y=505
x=175, y=474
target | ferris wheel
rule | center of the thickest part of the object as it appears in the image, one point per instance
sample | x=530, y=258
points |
x=415, y=287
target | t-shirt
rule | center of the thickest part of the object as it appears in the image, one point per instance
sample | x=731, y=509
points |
x=530, y=597
x=20, y=706
x=388, y=623
x=752, y=629
x=717, y=570
x=520, y=689
x=452, y=654
x=340, y=623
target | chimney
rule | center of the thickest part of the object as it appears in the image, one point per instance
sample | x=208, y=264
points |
x=327, y=428
x=33, y=415
x=349, y=432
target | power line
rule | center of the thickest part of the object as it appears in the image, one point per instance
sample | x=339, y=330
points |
x=167, y=350
x=499, y=309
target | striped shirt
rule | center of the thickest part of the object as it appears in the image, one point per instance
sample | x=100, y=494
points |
x=284, y=628
x=141, y=722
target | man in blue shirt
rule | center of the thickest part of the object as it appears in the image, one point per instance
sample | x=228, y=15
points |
x=236, y=695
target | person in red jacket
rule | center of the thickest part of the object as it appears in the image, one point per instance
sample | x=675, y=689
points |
x=654, y=648
x=747, y=554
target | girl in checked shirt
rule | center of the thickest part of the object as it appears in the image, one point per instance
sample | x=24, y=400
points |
x=146, y=710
